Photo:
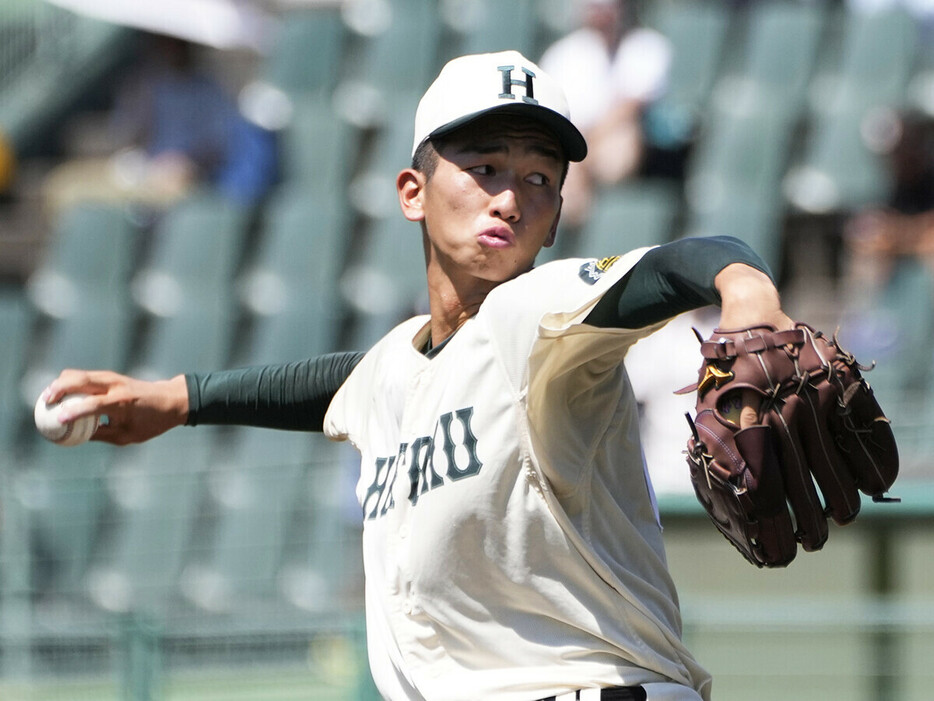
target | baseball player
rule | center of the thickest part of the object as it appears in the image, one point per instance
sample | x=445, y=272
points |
x=511, y=539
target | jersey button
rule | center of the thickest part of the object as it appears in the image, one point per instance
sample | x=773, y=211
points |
x=403, y=531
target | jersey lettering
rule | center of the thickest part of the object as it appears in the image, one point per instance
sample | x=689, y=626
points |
x=421, y=465
x=455, y=472
x=380, y=491
x=459, y=451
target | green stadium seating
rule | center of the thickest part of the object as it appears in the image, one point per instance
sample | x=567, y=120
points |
x=90, y=257
x=307, y=52
x=66, y=499
x=737, y=150
x=255, y=493
x=196, y=251
x=155, y=490
x=753, y=216
x=627, y=216
x=734, y=182
x=321, y=566
x=385, y=282
x=16, y=322
x=876, y=60
x=482, y=26
x=318, y=148
x=697, y=31
x=373, y=188
x=290, y=287
x=837, y=170
x=779, y=51
x=896, y=331
x=402, y=50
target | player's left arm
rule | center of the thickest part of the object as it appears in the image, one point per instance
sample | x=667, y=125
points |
x=692, y=273
x=688, y=274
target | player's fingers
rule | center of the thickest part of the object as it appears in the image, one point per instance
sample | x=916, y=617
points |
x=79, y=381
x=749, y=414
x=90, y=405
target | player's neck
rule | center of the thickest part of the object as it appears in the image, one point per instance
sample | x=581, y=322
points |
x=451, y=306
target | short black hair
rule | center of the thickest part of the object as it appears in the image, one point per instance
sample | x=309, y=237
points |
x=425, y=158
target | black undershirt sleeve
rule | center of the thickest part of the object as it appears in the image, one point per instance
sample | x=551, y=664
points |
x=291, y=397
x=670, y=279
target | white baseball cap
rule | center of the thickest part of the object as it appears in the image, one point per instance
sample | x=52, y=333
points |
x=469, y=87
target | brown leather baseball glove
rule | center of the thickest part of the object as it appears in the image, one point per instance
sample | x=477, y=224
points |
x=821, y=439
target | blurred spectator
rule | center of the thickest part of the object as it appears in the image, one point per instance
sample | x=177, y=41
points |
x=172, y=127
x=875, y=238
x=611, y=69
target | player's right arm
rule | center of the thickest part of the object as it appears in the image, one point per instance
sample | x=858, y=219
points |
x=293, y=396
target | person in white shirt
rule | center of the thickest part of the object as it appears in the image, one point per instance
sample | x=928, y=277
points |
x=611, y=70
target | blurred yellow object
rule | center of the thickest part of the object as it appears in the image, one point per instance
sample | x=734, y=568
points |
x=7, y=163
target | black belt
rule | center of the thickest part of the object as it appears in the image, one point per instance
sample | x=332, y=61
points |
x=612, y=693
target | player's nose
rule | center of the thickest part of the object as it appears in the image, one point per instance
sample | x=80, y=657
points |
x=504, y=203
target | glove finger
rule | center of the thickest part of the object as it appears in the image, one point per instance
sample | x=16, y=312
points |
x=864, y=436
x=834, y=476
x=866, y=440
x=765, y=489
x=805, y=503
x=749, y=512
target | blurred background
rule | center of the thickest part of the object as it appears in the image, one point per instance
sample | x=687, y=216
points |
x=197, y=184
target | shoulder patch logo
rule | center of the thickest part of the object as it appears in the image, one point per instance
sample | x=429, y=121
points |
x=593, y=270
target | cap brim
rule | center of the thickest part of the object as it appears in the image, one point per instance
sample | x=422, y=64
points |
x=570, y=138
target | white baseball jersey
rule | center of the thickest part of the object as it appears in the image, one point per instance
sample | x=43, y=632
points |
x=511, y=540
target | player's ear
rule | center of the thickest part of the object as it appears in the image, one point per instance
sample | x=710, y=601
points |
x=410, y=186
x=553, y=233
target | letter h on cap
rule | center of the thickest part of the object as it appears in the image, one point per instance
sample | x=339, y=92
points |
x=509, y=81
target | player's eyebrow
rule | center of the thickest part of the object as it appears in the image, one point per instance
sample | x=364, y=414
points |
x=484, y=148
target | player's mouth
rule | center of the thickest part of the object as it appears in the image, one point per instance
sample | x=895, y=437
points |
x=497, y=237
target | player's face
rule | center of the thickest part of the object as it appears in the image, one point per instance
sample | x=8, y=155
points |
x=493, y=200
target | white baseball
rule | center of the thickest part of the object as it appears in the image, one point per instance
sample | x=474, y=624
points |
x=68, y=434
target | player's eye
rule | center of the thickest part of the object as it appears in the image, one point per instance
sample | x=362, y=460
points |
x=538, y=179
x=484, y=169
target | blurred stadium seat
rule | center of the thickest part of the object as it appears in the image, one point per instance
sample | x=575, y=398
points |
x=385, y=281
x=394, y=47
x=155, y=491
x=627, y=216
x=255, y=490
x=482, y=26
x=778, y=52
x=196, y=250
x=866, y=72
x=733, y=181
x=306, y=54
x=63, y=491
x=16, y=322
x=89, y=260
x=697, y=31
x=318, y=147
x=297, y=264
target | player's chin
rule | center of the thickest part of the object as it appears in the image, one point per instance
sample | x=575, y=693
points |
x=504, y=265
